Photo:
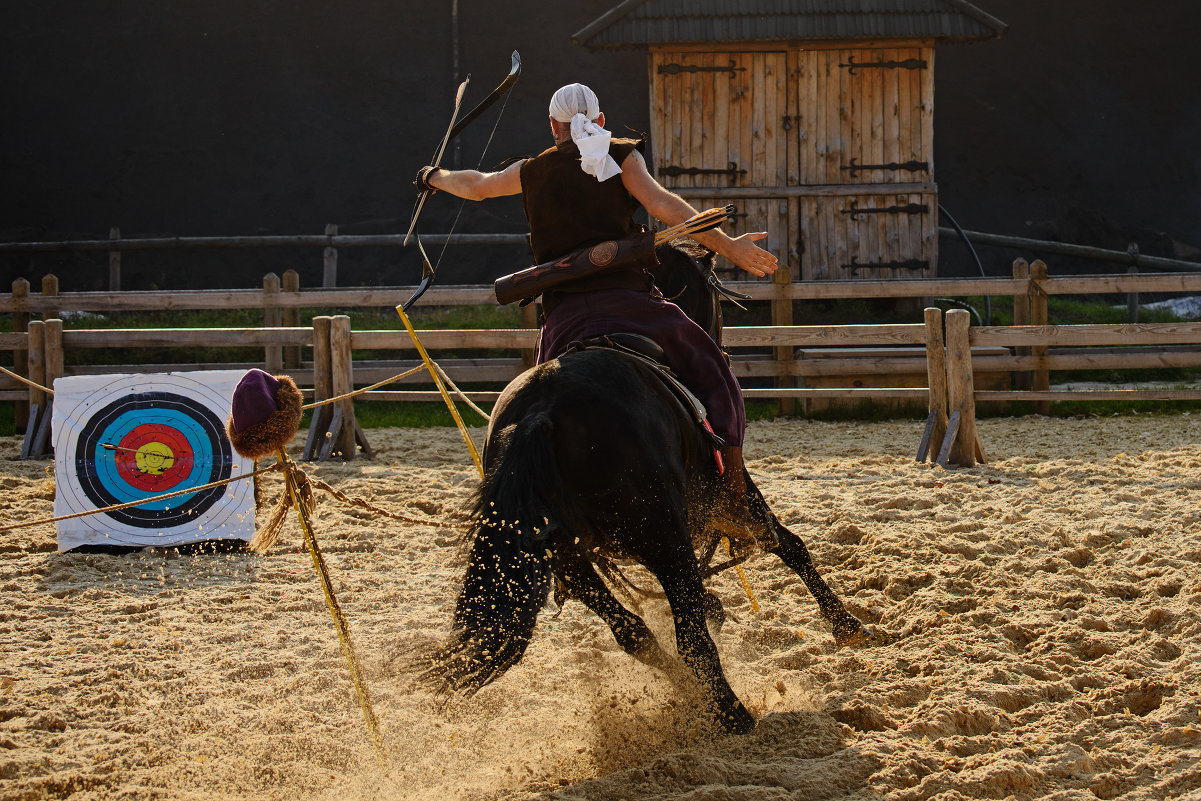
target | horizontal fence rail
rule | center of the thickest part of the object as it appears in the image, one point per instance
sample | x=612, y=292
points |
x=482, y=294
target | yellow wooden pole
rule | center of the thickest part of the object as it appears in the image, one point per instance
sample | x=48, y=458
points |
x=356, y=673
x=450, y=404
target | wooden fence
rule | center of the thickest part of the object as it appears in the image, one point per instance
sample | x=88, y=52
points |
x=794, y=359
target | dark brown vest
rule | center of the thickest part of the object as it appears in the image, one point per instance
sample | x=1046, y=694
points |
x=568, y=209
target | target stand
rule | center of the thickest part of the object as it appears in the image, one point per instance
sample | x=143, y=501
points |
x=123, y=438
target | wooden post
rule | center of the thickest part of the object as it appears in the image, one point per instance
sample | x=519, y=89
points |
x=330, y=275
x=781, y=314
x=54, y=351
x=323, y=388
x=936, y=377
x=1038, y=316
x=1132, y=297
x=1021, y=316
x=342, y=370
x=49, y=290
x=273, y=354
x=20, y=357
x=291, y=319
x=37, y=362
x=960, y=387
x=114, y=263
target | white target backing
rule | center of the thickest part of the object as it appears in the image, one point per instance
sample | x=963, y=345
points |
x=125, y=438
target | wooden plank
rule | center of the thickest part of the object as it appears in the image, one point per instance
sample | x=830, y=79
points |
x=949, y=439
x=1091, y=334
x=906, y=107
x=792, y=108
x=719, y=141
x=926, y=108
x=758, y=130
x=821, y=130
x=655, y=98
x=31, y=431
x=184, y=337
x=703, y=140
x=878, y=113
x=824, y=335
x=913, y=288
x=916, y=394
x=1090, y=395
x=41, y=441
x=923, y=446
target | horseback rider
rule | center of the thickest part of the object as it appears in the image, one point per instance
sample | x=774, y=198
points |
x=572, y=201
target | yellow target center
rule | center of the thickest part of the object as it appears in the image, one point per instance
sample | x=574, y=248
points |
x=154, y=458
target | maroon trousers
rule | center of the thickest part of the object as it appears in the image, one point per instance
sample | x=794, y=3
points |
x=691, y=354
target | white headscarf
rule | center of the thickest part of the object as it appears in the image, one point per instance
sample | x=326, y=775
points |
x=577, y=104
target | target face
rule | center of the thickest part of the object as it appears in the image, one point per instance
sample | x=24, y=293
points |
x=131, y=438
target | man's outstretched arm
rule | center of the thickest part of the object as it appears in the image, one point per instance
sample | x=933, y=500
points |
x=476, y=185
x=670, y=209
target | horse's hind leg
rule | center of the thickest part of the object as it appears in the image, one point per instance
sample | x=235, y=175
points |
x=792, y=551
x=681, y=582
x=631, y=633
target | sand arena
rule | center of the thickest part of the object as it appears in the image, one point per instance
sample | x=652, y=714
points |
x=1042, y=616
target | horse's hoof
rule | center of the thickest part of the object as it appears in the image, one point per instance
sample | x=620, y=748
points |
x=851, y=634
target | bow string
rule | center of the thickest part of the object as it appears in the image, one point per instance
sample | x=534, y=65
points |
x=456, y=126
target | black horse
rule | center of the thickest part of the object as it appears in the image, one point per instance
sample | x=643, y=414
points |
x=590, y=458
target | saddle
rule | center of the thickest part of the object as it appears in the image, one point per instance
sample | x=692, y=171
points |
x=647, y=351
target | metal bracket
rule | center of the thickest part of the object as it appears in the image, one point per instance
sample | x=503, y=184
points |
x=909, y=208
x=854, y=168
x=673, y=170
x=676, y=69
x=907, y=64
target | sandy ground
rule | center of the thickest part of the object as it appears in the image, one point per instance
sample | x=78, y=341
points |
x=1042, y=612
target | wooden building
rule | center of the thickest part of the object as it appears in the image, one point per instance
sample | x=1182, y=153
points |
x=814, y=117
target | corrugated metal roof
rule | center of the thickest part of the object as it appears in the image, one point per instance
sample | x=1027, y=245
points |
x=638, y=23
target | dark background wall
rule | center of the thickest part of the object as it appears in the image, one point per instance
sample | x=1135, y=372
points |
x=265, y=116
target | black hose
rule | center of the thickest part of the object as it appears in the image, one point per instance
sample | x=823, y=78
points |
x=972, y=250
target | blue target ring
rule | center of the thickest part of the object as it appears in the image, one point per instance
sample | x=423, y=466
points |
x=194, y=434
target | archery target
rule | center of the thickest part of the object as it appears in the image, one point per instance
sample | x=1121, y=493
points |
x=126, y=438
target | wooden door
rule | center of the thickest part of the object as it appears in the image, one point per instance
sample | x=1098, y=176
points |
x=716, y=122
x=864, y=116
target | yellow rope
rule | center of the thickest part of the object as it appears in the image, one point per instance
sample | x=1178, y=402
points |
x=391, y=380
x=450, y=404
x=462, y=395
x=120, y=506
x=24, y=380
x=746, y=585
x=362, y=504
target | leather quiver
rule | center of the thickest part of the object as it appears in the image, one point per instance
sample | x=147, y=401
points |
x=636, y=252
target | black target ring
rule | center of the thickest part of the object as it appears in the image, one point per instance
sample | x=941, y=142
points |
x=190, y=421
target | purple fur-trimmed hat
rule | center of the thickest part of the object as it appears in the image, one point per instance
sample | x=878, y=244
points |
x=266, y=413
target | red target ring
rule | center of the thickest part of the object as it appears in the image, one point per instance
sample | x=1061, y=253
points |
x=153, y=457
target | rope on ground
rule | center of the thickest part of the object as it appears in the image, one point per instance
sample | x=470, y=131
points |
x=362, y=504
x=131, y=504
x=26, y=381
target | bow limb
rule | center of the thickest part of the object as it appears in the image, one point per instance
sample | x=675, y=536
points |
x=450, y=131
x=456, y=127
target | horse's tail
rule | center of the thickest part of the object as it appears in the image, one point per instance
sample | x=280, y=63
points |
x=509, y=567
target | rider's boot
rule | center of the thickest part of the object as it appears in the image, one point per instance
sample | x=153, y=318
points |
x=733, y=515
